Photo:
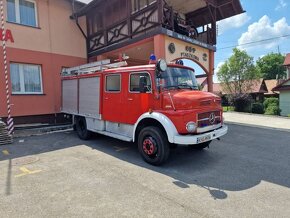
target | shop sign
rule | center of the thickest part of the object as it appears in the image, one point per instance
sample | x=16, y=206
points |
x=8, y=36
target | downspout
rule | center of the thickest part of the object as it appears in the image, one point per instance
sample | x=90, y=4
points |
x=75, y=17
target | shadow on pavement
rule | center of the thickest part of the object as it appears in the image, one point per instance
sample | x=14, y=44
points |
x=240, y=161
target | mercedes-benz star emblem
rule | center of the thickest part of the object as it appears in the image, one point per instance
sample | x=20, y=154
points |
x=211, y=118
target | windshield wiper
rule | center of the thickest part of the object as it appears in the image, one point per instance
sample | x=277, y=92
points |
x=168, y=87
x=182, y=86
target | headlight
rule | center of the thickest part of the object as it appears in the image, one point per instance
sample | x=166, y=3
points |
x=191, y=126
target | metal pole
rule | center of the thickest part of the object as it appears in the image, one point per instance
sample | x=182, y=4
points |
x=10, y=123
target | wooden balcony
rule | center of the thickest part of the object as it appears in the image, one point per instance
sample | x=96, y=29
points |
x=115, y=23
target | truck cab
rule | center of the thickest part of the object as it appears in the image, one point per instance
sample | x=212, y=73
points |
x=156, y=105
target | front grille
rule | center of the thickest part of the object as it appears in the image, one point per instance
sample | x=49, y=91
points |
x=204, y=119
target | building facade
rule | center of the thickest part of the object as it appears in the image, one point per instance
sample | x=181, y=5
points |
x=284, y=90
x=45, y=36
x=171, y=29
x=41, y=40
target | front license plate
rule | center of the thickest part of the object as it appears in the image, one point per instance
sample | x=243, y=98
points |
x=204, y=138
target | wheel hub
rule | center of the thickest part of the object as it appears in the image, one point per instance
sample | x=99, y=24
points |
x=149, y=146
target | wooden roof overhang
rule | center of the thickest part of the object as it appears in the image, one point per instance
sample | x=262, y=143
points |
x=282, y=86
x=214, y=10
x=200, y=12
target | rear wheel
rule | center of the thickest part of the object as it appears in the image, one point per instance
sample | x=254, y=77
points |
x=81, y=128
x=153, y=145
x=201, y=146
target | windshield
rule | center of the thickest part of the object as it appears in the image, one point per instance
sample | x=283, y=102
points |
x=180, y=78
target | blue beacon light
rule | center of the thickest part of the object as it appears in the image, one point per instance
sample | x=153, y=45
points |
x=152, y=59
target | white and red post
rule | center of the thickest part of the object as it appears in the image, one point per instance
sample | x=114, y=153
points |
x=10, y=123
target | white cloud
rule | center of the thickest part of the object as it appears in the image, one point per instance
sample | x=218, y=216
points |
x=232, y=22
x=282, y=4
x=264, y=29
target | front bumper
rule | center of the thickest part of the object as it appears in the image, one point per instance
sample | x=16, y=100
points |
x=200, y=138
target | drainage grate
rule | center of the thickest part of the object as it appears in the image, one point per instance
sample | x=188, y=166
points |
x=5, y=137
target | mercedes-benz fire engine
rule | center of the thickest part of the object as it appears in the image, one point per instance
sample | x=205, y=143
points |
x=158, y=106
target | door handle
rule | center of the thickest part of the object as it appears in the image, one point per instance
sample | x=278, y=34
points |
x=130, y=99
x=106, y=98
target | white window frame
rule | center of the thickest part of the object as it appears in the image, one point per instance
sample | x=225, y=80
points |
x=17, y=13
x=22, y=83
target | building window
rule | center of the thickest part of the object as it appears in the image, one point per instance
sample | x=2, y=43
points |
x=26, y=78
x=138, y=5
x=22, y=12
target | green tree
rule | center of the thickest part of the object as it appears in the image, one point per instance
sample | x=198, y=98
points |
x=271, y=66
x=238, y=74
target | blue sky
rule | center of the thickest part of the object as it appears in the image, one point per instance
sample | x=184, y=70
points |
x=263, y=19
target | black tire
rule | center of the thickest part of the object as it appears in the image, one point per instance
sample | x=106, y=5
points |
x=81, y=128
x=153, y=145
x=201, y=146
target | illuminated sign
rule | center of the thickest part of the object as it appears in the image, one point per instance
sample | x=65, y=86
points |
x=8, y=36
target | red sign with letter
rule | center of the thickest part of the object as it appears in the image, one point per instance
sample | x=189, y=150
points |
x=8, y=36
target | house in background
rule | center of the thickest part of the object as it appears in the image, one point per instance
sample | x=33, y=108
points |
x=272, y=83
x=257, y=90
x=284, y=89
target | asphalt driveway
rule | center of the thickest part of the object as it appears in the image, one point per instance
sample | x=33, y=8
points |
x=246, y=174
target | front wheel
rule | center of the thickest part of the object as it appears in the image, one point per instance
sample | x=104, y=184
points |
x=153, y=145
x=81, y=128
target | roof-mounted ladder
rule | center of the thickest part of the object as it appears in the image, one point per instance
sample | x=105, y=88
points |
x=92, y=67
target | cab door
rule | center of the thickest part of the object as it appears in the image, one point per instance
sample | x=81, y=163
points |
x=112, y=98
x=137, y=102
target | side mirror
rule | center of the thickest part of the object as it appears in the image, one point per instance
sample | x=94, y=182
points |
x=143, y=84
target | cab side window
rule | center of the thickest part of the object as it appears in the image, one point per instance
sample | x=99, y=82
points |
x=113, y=83
x=139, y=81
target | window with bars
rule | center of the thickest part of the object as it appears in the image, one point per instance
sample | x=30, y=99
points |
x=22, y=12
x=26, y=78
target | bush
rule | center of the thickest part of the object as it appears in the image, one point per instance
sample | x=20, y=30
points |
x=271, y=106
x=272, y=110
x=271, y=101
x=257, y=108
x=241, y=102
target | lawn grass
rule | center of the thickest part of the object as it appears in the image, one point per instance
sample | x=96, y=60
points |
x=228, y=108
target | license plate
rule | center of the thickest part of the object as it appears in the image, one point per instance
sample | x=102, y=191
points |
x=204, y=138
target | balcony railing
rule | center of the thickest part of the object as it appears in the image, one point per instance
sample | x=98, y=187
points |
x=140, y=23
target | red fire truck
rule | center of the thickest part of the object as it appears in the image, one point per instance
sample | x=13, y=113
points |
x=158, y=106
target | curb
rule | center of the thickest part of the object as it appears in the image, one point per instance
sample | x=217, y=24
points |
x=258, y=115
x=257, y=126
x=41, y=131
